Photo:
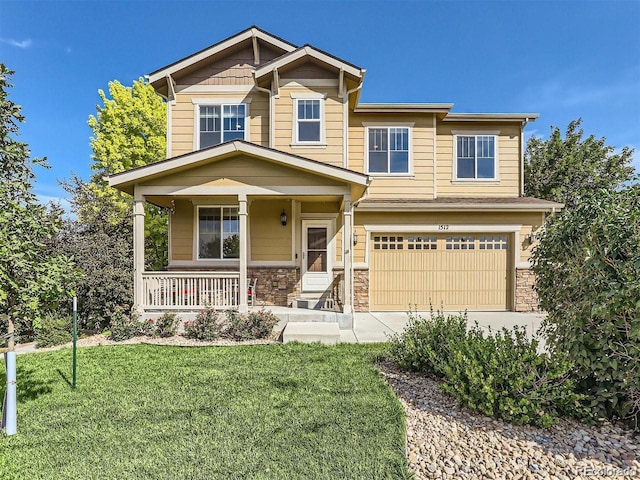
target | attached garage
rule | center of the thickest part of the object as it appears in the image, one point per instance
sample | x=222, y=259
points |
x=456, y=271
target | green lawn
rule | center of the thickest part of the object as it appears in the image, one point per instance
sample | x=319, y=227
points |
x=260, y=412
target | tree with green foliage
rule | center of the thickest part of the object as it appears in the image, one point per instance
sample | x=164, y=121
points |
x=32, y=281
x=572, y=168
x=587, y=268
x=101, y=251
x=129, y=131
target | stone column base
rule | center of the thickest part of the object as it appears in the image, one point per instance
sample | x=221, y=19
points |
x=526, y=296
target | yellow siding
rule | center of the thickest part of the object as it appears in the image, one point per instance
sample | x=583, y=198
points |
x=508, y=183
x=184, y=114
x=270, y=241
x=333, y=114
x=243, y=170
x=182, y=231
x=419, y=184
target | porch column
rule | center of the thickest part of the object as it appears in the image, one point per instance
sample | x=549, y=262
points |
x=138, y=250
x=347, y=253
x=242, y=211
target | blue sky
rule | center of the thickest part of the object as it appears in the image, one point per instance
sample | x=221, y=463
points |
x=563, y=60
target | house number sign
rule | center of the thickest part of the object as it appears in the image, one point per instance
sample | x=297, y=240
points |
x=443, y=227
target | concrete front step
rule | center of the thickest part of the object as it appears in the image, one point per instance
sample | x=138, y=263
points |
x=343, y=320
x=309, y=332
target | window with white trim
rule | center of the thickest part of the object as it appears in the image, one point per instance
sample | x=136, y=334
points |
x=388, y=149
x=221, y=123
x=218, y=233
x=308, y=120
x=475, y=157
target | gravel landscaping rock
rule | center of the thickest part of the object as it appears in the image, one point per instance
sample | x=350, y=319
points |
x=448, y=441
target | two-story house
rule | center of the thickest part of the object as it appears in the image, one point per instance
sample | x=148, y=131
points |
x=276, y=172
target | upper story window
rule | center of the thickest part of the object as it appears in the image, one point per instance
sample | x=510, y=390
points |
x=476, y=157
x=388, y=150
x=221, y=123
x=218, y=233
x=308, y=120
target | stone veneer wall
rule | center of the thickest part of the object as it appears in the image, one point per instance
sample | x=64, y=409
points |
x=526, y=296
x=361, y=290
x=276, y=285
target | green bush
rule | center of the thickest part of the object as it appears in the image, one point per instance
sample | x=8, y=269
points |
x=125, y=326
x=166, y=325
x=425, y=343
x=53, y=330
x=587, y=268
x=499, y=374
x=211, y=325
x=207, y=326
x=251, y=326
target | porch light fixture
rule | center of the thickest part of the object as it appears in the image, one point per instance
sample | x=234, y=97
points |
x=283, y=218
x=355, y=238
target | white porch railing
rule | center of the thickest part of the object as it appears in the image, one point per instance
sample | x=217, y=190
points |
x=190, y=290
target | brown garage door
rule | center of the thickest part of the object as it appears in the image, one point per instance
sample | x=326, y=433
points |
x=456, y=271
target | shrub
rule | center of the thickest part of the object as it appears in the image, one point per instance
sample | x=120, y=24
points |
x=206, y=326
x=53, y=330
x=425, y=343
x=251, y=326
x=499, y=374
x=502, y=375
x=587, y=266
x=166, y=325
x=125, y=326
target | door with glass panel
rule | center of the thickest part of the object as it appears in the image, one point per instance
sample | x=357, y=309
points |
x=317, y=269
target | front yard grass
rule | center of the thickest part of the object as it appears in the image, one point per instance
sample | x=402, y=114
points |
x=247, y=412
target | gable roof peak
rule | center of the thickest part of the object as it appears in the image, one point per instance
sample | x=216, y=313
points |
x=157, y=77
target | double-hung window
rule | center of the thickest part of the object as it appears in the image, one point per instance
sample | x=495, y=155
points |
x=308, y=128
x=218, y=233
x=388, y=149
x=221, y=123
x=476, y=157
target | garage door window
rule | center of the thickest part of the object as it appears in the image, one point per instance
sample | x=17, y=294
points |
x=422, y=243
x=461, y=243
x=493, y=242
x=388, y=243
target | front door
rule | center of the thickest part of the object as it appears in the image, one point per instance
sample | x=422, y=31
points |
x=317, y=271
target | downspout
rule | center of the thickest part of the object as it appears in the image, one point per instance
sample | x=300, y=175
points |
x=522, y=125
x=345, y=120
x=271, y=114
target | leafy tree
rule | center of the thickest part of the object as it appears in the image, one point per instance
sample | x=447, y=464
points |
x=587, y=266
x=102, y=253
x=128, y=132
x=32, y=281
x=572, y=168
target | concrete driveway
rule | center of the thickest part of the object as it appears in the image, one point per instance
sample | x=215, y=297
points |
x=378, y=326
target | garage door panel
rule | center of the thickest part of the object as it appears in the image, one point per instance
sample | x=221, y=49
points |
x=458, y=271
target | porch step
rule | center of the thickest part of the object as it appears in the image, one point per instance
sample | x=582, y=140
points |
x=315, y=303
x=291, y=315
x=309, y=332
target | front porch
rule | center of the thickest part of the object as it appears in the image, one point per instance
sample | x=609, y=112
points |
x=240, y=214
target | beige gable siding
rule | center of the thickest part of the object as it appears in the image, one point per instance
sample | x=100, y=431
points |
x=508, y=183
x=182, y=231
x=333, y=115
x=184, y=117
x=269, y=240
x=419, y=184
x=308, y=70
x=234, y=69
x=243, y=170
